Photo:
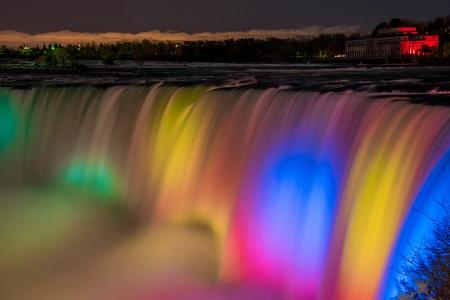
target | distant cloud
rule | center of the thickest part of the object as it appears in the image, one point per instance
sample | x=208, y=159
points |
x=14, y=38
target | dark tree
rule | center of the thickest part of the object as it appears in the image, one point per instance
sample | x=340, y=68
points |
x=428, y=267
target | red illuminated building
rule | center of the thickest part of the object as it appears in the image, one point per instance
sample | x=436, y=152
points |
x=402, y=42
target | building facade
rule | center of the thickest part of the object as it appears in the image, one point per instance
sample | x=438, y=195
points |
x=392, y=43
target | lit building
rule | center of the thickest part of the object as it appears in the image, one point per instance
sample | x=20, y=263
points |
x=392, y=43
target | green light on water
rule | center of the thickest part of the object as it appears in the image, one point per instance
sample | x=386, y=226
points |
x=93, y=179
x=8, y=121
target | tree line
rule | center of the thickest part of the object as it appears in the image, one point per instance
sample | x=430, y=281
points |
x=273, y=49
x=324, y=47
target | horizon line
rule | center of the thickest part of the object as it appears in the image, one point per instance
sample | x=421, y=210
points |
x=13, y=38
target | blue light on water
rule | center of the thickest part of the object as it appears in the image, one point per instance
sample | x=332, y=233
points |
x=295, y=215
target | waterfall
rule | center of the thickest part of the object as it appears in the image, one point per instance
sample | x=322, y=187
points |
x=311, y=195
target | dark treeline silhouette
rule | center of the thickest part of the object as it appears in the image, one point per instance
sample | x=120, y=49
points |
x=326, y=47
x=427, y=268
x=321, y=47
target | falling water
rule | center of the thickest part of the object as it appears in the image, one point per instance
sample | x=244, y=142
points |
x=311, y=196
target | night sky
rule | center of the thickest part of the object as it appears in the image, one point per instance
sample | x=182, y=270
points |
x=35, y=16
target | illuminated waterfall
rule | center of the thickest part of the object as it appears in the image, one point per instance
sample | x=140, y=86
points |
x=309, y=195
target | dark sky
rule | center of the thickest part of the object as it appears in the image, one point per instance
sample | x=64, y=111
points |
x=35, y=16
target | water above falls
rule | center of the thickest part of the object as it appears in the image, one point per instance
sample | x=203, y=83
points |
x=303, y=195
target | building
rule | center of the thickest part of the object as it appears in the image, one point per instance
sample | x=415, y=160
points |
x=395, y=43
